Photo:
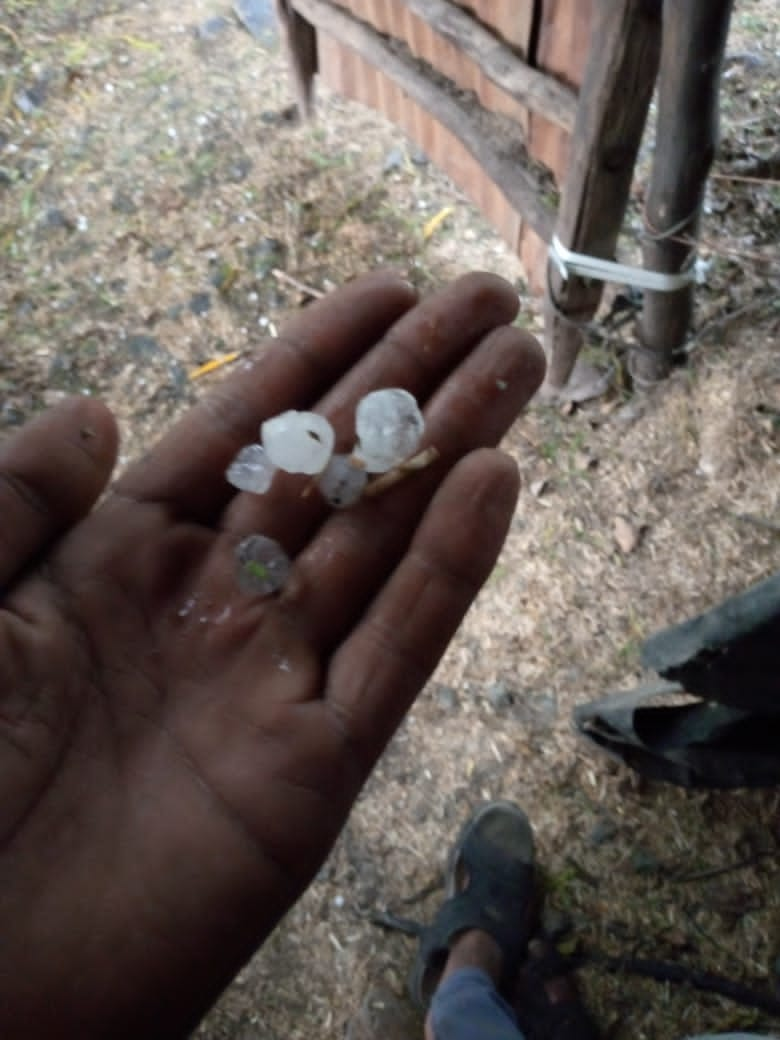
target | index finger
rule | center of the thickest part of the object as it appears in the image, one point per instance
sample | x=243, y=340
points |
x=186, y=470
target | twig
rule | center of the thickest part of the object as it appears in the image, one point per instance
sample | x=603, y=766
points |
x=282, y=276
x=725, y=319
x=666, y=971
x=758, y=521
x=398, y=473
x=721, y=250
x=214, y=364
x=659, y=971
x=394, y=923
x=743, y=177
x=9, y=32
x=702, y=875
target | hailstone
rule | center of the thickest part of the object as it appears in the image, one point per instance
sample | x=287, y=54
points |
x=389, y=426
x=263, y=565
x=251, y=470
x=341, y=483
x=298, y=442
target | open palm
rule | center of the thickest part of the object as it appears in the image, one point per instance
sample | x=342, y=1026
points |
x=176, y=756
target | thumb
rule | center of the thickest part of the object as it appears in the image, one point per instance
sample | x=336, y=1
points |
x=51, y=473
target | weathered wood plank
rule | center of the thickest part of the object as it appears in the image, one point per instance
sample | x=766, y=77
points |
x=694, y=41
x=614, y=98
x=562, y=48
x=502, y=66
x=444, y=55
x=511, y=19
x=519, y=184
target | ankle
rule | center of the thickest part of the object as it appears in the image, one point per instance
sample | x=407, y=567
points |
x=475, y=949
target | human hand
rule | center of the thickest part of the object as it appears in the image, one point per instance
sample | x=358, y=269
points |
x=176, y=757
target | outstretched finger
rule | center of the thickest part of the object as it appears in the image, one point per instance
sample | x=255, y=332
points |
x=351, y=555
x=187, y=468
x=420, y=353
x=51, y=473
x=381, y=667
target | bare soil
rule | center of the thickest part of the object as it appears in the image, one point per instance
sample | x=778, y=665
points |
x=156, y=198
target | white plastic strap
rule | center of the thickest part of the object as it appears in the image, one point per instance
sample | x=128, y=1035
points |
x=569, y=263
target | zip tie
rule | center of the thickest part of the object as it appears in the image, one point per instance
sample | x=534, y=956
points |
x=570, y=263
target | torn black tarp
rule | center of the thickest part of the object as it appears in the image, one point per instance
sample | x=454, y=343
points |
x=716, y=722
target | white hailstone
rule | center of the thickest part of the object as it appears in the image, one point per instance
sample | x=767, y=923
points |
x=341, y=482
x=389, y=426
x=251, y=470
x=298, y=442
x=263, y=565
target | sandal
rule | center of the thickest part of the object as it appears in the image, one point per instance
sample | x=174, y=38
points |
x=490, y=886
x=546, y=1000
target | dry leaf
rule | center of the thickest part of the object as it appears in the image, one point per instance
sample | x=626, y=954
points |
x=626, y=535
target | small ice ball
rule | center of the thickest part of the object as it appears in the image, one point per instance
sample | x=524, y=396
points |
x=298, y=442
x=389, y=426
x=251, y=470
x=341, y=482
x=263, y=565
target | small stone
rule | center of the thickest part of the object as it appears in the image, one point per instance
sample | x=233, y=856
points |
x=446, y=697
x=57, y=218
x=212, y=28
x=418, y=157
x=161, y=253
x=239, y=169
x=142, y=347
x=603, y=831
x=200, y=303
x=626, y=535
x=584, y=462
x=644, y=862
x=24, y=103
x=394, y=160
x=500, y=695
x=266, y=254
x=258, y=18
x=122, y=202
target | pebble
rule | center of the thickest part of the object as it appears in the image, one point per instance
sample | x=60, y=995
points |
x=446, y=697
x=142, y=347
x=258, y=18
x=500, y=695
x=161, y=253
x=200, y=303
x=393, y=160
x=603, y=831
x=212, y=27
x=122, y=202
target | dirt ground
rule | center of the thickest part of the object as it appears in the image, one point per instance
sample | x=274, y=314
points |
x=159, y=208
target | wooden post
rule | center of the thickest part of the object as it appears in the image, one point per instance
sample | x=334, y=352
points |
x=694, y=40
x=615, y=95
x=299, y=41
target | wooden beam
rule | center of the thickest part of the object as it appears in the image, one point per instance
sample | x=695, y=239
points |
x=519, y=184
x=536, y=90
x=614, y=99
x=694, y=41
x=299, y=42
